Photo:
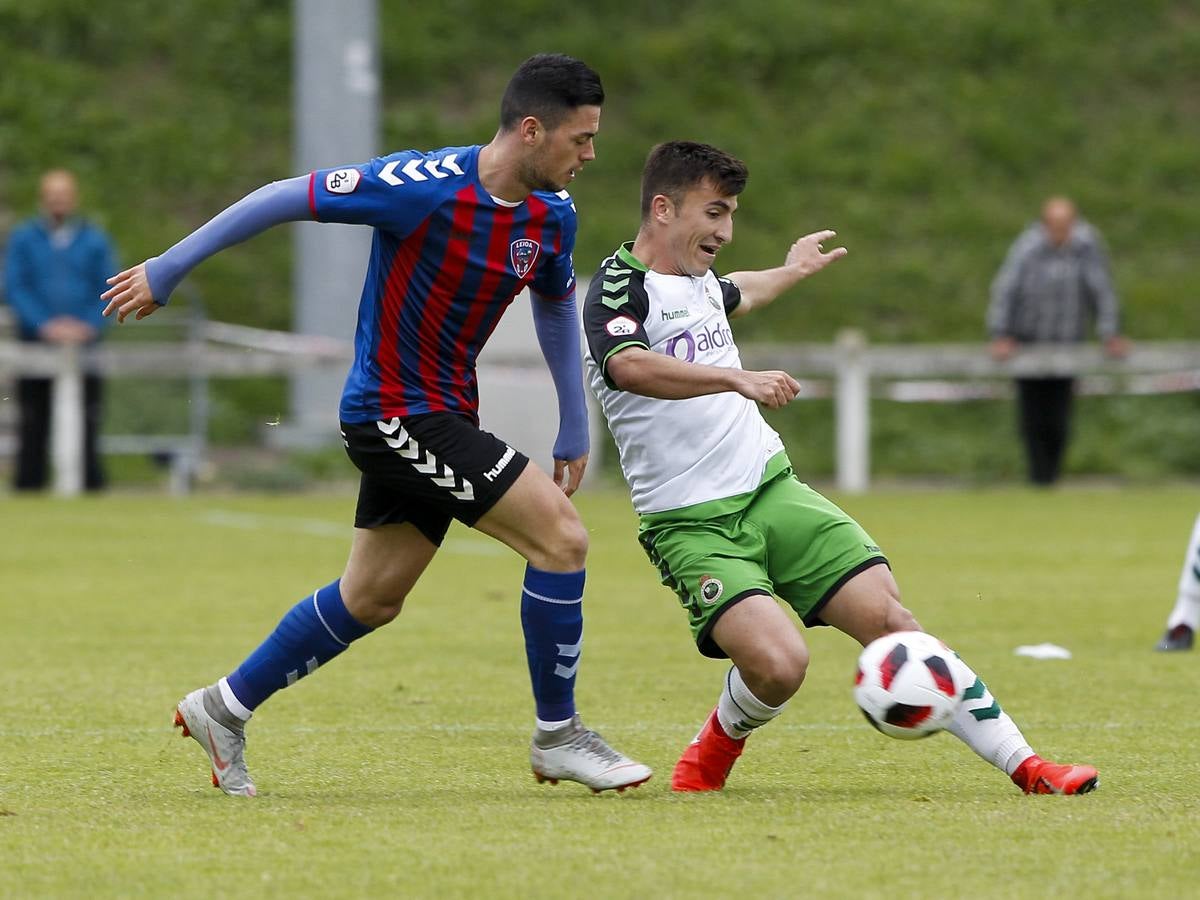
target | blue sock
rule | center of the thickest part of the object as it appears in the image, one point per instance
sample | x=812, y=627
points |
x=552, y=617
x=313, y=632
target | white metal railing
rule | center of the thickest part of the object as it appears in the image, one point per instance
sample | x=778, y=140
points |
x=902, y=372
x=212, y=349
x=850, y=370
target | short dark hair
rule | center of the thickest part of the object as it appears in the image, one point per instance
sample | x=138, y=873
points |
x=549, y=86
x=676, y=167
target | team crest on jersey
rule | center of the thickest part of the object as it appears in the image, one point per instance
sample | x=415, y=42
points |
x=342, y=181
x=524, y=253
x=712, y=298
x=711, y=589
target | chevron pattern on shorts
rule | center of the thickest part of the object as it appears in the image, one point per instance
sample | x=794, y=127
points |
x=424, y=461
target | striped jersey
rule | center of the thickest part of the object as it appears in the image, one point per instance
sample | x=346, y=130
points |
x=447, y=259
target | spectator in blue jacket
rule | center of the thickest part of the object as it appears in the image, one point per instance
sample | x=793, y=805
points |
x=54, y=273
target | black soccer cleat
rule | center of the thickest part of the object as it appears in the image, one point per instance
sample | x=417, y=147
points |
x=1181, y=637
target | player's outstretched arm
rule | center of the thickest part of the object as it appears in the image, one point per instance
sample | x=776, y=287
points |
x=758, y=288
x=557, y=325
x=642, y=371
x=147, y=286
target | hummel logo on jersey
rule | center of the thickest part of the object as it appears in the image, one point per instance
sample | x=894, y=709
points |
x=673, y=314
x=420, y=169
x=524, y=253
x=343, y=181
x=492, y=473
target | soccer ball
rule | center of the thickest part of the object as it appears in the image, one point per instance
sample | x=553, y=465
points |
x=905, y=684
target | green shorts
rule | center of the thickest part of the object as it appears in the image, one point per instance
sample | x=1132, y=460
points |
x=783, y=539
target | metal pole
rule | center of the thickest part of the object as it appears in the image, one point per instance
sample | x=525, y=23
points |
x=853, y=413
x=198, y=401
x=67, y=423
x=336, y=122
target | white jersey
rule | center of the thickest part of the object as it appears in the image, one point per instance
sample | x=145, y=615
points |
x=674, y=453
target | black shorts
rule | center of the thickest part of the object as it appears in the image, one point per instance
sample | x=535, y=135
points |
x=427, y=470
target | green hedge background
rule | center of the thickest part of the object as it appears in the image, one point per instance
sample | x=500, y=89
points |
x=926, y=132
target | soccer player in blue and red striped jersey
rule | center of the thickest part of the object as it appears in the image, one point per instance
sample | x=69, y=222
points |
x=459, y=233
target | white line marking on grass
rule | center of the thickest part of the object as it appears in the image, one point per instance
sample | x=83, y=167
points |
x=480, y=728
x=228, y=518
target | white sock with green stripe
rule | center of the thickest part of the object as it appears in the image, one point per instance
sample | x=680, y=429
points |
x=739, y=711
x=1187, y=607
x=983, y=726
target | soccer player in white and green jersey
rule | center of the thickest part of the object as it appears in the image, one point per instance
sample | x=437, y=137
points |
x=722, y=516
x=1185, y=615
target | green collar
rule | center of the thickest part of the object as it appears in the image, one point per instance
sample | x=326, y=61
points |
x=625, y=254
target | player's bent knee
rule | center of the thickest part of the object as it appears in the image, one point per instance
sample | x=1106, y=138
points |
x=891, y=618
x=565, y=545
x=776, y=674
x=383, y=613
x=575, y=540
x=374, y=611
x=790, y=670
x=373, y=601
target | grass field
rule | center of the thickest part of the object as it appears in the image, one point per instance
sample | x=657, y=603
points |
x=401, y=769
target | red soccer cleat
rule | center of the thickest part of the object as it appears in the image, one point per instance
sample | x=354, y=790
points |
x=706, y=762
x=1037, y=776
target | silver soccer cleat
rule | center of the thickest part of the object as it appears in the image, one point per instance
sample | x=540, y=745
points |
x=225, y=747
x=576, y=753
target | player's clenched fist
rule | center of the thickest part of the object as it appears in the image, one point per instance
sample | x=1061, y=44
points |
x=771, y=389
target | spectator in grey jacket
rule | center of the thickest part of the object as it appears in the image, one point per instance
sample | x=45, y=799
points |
x=1053, y=284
